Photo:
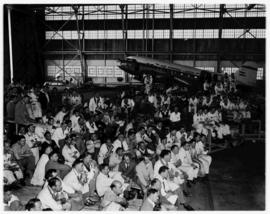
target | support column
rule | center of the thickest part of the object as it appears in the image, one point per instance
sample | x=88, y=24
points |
x=76, y=9
x=171, y=33
x=10, y=45
x=219, y=52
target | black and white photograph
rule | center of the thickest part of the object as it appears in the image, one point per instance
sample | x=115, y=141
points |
x=134, y=106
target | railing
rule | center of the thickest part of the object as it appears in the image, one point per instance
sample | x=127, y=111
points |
x=250, y=130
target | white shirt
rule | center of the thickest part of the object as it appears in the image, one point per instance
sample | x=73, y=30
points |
x=175, y=117
x=74, y=121
x=72, y=181
x=40, y=131
x=47, y=200
x=58, y=134
x=96, y=102
x=59, y=117
x=117, y=143
x=159, y=164
x=68, y=154
x=102, y=152
x=130, y=103
x=185, y=157
x=199, y=147
x=91, y=127
x=166, y=186
x=103, y=183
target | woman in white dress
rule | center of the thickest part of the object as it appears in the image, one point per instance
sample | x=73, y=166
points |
x=39, y=174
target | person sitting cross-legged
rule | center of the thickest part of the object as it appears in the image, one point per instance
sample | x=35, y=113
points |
x=163, y=201
x=112, y=200
x=24, y=157
x=53, y=163
x=75, y=197
x=52, y=196
x=105, y=179
x=171, y=191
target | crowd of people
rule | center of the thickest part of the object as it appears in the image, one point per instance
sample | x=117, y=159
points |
x=110, y=150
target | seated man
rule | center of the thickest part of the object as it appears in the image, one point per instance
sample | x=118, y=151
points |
x=127, y=167
x=112, y=201
x=151, y=201
x=12, y=171
x=181, y=159
x=171, y=191
x=24, y=156
x=163, y=201
x=52, y=196
x=78, y=179
x=145, y=172
x=33, y=204
x=115, y=159
x=120, y=142
x=105, y=179
x=165, y=160
x=69, y=152
x=74, y=196
x=91, y=169
x=53, y=164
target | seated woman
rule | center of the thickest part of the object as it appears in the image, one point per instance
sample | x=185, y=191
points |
x=12, y=171
x=38, y=177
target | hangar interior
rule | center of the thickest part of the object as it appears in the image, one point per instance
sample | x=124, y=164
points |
x=85, y=41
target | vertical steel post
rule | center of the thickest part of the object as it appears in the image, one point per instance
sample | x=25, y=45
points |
x=221, y=12
x=171, y=32
x=10, y=45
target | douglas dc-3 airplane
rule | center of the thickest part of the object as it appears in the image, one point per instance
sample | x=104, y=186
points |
x=171, y=73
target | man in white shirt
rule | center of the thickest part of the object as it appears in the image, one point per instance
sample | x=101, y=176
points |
x=115, y=159
x=175, y=116
x=105, y=179
x=91, y=125
x=171, y=191
x=69, y=152
x=60, y=134
x=171, y=139
x=52, y=196
x=74, y=119
x=95, y=103
x=182, y=162
x=105, y=151
x=164, y=160
x=120, y=142
x=60, y=115
x=140, y=134
x=78, y=179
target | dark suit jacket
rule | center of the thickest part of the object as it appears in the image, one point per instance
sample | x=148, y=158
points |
x=43, y=100
x=128, y=172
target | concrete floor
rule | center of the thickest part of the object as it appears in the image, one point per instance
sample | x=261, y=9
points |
x=236, y=182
